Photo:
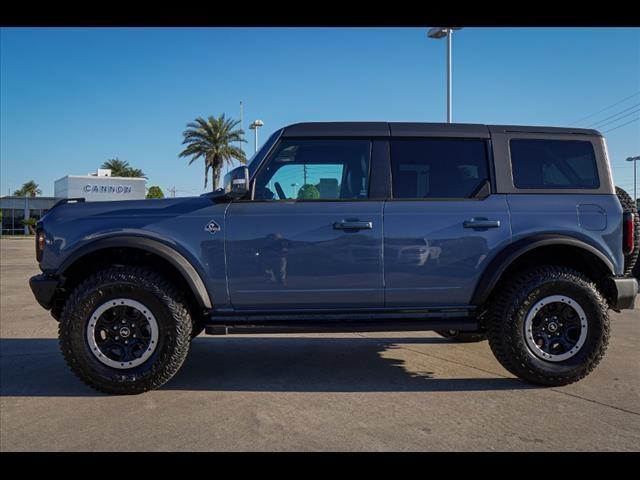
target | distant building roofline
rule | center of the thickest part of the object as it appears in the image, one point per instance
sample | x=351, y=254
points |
x=39, y=197
x=102, y=178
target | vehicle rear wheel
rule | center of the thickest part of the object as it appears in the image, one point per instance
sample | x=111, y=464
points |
x=464, y=337
x=125, y=330
x=628, y=205
x=549, y=326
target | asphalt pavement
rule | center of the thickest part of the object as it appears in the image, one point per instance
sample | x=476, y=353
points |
x=312, y=392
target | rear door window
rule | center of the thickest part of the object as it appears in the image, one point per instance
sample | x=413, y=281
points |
x=438, y=168
x=553, y=164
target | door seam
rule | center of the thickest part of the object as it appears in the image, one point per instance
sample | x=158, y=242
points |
x=226, y=266
x=384, y=279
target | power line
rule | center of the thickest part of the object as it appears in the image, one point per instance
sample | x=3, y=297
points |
x=606, y=108
x=615, y=128
x=619, y=118
x=615, y=115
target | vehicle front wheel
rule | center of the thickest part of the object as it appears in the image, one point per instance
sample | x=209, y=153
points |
x=549, y=326
x=125, y=330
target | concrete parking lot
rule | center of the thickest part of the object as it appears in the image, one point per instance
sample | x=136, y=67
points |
x=382, y=391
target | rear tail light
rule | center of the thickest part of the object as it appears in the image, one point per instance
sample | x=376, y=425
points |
x=40, y=242
x=627, y=232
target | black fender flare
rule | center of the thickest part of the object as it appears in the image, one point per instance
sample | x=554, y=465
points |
x=513, y=251
x=168, y=253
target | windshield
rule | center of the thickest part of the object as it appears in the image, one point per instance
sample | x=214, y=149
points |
x=254, y=162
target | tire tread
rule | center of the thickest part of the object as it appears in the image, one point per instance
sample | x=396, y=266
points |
x=140, y=277
x=628, y=205
x=505, y=305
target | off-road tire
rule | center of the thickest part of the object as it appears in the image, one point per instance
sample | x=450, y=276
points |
x=628, y=205
x=511, y=306
x=463, y=337
x=140, y=284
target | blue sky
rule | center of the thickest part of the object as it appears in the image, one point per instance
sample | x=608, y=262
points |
x=71, y=98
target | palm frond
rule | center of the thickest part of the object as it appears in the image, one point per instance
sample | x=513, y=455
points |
x=211, y=139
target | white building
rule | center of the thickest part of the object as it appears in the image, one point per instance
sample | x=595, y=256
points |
x=95, y=187
x=100, y=186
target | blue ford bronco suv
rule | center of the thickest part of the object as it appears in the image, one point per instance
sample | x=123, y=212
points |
x=507, y=233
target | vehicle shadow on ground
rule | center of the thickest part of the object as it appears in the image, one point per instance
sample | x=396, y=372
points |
x=35, y=367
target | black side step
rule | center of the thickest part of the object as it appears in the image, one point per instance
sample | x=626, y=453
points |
x=330, y=315
x=318, y=326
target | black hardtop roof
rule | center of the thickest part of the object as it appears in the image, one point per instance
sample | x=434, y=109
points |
x=417, y=129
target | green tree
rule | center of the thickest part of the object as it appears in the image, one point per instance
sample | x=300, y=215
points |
x=212, y=140
x=155, y=192
x=121, y=168
x=308, y=192
x=28, y=189
x=31, y=223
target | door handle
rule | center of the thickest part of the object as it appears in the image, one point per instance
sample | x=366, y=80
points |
x=481, y=223
x=352, y=225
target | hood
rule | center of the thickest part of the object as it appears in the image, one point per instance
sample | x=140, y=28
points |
x=127, y=208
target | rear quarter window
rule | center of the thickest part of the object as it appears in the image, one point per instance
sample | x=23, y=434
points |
x=553, y=164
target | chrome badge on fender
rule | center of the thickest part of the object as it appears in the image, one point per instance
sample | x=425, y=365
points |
x=212, y=227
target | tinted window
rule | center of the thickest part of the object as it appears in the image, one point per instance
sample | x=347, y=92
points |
x=438, y=168
x=316, y=170
x=540, y=163
x=257, y=157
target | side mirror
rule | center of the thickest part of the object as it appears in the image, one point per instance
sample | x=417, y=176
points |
x=236, y=182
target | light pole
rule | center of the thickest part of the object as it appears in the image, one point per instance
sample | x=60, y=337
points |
x=241, y=127
x=255, y=126
x=439, y=32
x=634, y=160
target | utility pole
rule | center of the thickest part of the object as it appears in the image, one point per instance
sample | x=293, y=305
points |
x=449, y=40
x=304, y=173
x=634, y=160
x=172, y=191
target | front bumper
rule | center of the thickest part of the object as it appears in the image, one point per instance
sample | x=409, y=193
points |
x=43, y=288
x=624, y=290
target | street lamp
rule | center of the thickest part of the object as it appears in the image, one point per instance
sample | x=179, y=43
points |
x=634, y=160
x=255, y=126
x=439, y=32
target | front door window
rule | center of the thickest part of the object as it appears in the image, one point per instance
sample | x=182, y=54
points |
x=316, y=170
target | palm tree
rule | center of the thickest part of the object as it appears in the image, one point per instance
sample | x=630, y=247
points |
x=121, y=168
x=28, y=189
x=31, y=224
x=212, y=140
